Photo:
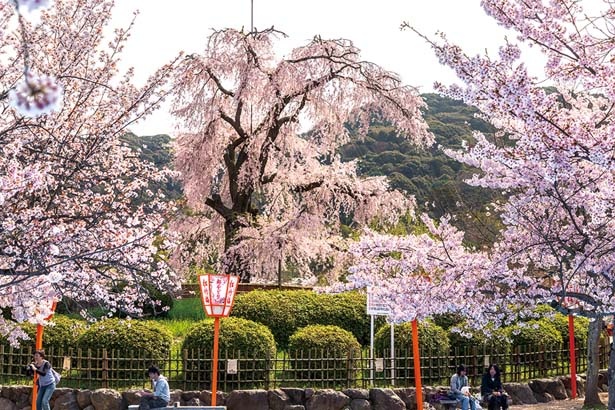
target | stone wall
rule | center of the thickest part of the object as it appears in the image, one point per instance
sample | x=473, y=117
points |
x=535, y=391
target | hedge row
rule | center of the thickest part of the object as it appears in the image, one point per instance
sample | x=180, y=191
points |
x=284, y=312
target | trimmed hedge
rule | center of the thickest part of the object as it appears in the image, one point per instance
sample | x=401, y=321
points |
x=335, y=345
x=286, y=311
x=240, y=339
x=535, y=332
x=145, y=343
x=64, y=333
x=432, y=338
x=497, y=341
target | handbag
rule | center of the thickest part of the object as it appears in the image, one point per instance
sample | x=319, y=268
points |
x=56, y=376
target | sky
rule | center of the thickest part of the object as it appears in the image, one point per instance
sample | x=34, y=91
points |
x=163, y=28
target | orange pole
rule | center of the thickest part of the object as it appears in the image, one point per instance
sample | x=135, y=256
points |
x=573, y=358
x=417, y=365
x=214, y=374
x=38, y=344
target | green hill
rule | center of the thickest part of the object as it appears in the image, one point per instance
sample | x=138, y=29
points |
x=433, y=178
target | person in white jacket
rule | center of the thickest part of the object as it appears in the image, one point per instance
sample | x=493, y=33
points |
x=161, y=395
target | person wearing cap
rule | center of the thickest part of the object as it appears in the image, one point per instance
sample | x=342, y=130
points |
x=458, y=381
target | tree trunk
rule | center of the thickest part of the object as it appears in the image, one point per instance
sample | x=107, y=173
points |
x=593, y=364
x=233, y=263
x=611, y=377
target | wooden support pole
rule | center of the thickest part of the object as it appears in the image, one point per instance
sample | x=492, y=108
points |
x=417, y=365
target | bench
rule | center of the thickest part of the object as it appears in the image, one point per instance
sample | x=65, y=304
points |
x=447, y=404
x=136, y=407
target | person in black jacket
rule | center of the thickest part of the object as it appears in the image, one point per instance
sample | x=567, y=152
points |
x=491, y=389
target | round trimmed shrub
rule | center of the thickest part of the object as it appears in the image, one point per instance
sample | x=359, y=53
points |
x=462, y=337
x=433, y=341
x=323, y=352
x=535, y=332
x=560, y=321
x=63, y=334
x=239, y=339
x=144, y=343
x=448, y=320
x=286, y=311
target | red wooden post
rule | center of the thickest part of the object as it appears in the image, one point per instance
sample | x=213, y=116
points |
x=573, y=357
x=417, y=365
x=214, y=373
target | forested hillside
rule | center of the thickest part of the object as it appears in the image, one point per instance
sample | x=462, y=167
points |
x=434, y=179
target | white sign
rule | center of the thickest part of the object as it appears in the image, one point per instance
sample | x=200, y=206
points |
x=66, y=363
x=379, y=362
x=231, y=366
x=375, y=306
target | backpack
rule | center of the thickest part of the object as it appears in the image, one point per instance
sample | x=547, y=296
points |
x=56, y=376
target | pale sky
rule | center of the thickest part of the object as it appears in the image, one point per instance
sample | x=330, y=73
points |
x=163, y=28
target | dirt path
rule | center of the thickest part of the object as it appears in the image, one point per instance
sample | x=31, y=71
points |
x=576, y=404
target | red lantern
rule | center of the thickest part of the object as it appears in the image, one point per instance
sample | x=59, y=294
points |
x=217, y=295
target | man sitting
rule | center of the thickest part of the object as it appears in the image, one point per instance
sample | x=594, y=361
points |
x=161, y=395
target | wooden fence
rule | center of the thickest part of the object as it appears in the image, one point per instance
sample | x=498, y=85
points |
x=191, y=370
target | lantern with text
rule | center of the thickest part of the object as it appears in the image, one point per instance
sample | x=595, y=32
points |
x=217, y=295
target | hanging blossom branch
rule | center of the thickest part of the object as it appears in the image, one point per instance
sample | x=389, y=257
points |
x=35, y=95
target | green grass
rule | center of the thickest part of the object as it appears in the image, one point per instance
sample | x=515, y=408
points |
x=188, y=309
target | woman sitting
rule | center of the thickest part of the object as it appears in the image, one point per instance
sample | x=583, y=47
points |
x=491, y=389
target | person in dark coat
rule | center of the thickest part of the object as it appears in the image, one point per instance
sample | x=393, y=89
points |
x=491, y=389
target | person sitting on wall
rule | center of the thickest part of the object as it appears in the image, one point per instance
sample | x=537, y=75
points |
x=491, y=389
x=458, y=381
x=161, y=395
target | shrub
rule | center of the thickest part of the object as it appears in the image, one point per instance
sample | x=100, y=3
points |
x=560, y=321
x=535, y=332
x=493, y=340
x=239, y=339
x=331, y=346
x=432, y=338
x=143, y=343
x=448, y=320
x=433, y=341
x=283, y=312
x=63, y=334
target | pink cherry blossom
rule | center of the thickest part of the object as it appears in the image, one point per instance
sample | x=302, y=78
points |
x=32, y=5
x=264, y=194
x=36, y=95
x=76, y=219
x=552, y=154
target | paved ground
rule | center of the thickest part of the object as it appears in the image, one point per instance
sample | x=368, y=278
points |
x=576, y=404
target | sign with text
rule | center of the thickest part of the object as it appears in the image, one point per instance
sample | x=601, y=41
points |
x=375, y=306
x=231, y=366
